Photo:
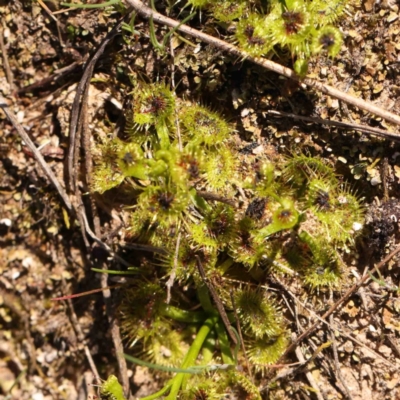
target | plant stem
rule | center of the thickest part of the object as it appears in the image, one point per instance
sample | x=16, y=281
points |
x=191, y=356
x=223, y=268
x=224, y=344
x=204, y=298
x=175, y=313
x=101, y=5
x=158, y=394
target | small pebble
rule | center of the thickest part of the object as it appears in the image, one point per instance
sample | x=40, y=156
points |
x=385, y=350
x=376, y=180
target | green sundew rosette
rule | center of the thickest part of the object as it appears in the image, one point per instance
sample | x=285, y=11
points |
x=320, y=276
x=339, y=212
x=112, y=389
x=217, y=229
x=153, y=104
x=253, y=35
x=327, y=12
x=267, y=350
x=220, y=170
x=324, y=268
x=226, y=11
x=285, y=217
x=165, y=202
x=105, y=178
x=200, y=235
x=243, y=248
x=200, y=125
x=200, y=387
x=132, y=163
x=327, y=39
x=258, y=313
x=301, y=169
x=166, y=347
x=290, y=27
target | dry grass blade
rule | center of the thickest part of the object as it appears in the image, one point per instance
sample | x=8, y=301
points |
x=77, y=123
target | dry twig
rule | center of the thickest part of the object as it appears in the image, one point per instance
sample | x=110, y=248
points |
x=172, y=275
x=309, y=375
x=77, y=124
x=336, y=361
x=344, y=298
x=78, y=101
x=217, y=301
x=36, y=153
x=79, y=334
x=356, y=127
x=341, y=331
x=9, y=74
x=147, y=12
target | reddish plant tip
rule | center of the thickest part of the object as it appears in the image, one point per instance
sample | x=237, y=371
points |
x=156, y=104
x=285, y=215
x=149, y=310
x=127, y=158
x=256, y=209
x=249, y=31
x=219, y=226
x=245, y=242
x=193, y=170
x=165, y=200
x=322, y=200
x=200, y=395
x=327, y=41
x=293, y=20
x=203, y=119
x=251, y=39
x=191, y=166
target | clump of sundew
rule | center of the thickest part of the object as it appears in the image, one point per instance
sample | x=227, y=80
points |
x=295, y=217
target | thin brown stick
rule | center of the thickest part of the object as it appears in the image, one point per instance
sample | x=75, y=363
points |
x=36, y=153
x=78, y=124
x=239, y=329
x=81, y=337
x=215, y=197
x=9, y=74
x=341, y=331
x=217, y=301
x=309, y=375
x=147, y=12
x=115, y=335
x=336, y=360
x=172, y=275
x=344, y=298
x=58, y=74
x=60, y=25
x=75, y=112
x=356, y=127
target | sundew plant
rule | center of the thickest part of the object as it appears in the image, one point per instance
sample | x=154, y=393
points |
x=304, y=28
x=221, y=219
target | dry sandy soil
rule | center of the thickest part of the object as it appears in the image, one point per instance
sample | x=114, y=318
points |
x=43, y=254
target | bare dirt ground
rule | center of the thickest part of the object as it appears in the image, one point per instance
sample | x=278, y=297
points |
x=43, y=254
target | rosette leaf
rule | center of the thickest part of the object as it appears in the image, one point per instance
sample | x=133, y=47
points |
x=201, y=125
x=258, y=313
x=253, y=36
x=267, y=350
